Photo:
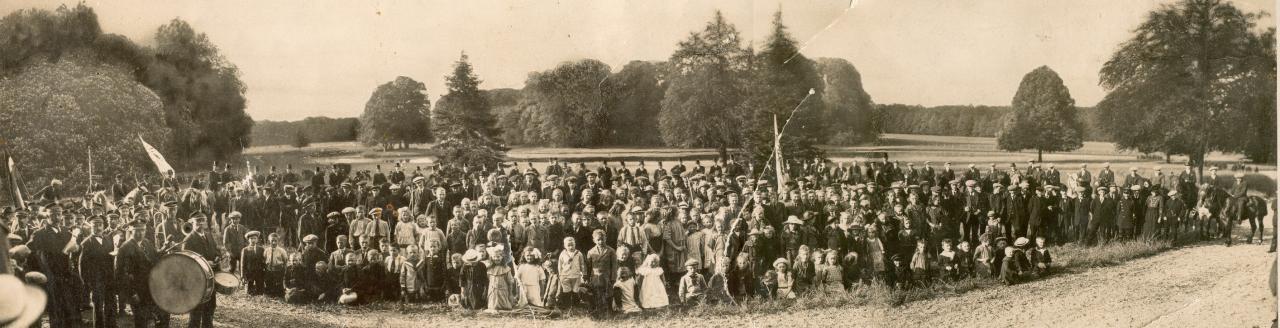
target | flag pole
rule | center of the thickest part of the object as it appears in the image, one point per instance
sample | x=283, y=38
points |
x=777, y=153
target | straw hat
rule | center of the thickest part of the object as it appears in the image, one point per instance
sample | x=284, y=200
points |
x=22, y=305
x=1021, y=241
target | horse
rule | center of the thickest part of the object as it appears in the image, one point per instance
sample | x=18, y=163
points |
x=1256, y=213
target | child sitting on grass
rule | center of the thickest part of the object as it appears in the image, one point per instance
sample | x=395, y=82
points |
x=718, y=285
x=295, y=278
x=625, y=291
x=828, y=275
x=803, y=268
x=1040, y=258
x=1010, y=269
x=964, y=260
x=948, y=263
x=692, y=286
x=779, y=281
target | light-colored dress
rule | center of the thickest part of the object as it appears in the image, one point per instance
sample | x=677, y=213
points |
x=531, y=277
x=653, y=291
x=501, y=284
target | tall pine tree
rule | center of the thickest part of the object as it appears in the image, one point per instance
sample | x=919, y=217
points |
x=778, y=86
x=1043, y=116
x=705, y=89
x=464, y=122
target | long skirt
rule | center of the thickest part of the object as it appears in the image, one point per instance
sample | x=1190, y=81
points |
x=1149, y=224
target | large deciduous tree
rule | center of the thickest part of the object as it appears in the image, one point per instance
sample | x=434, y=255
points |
x=634, y=100
x=706, y=86
x=203, y=95
x=1181, y=85
x=464, y=122
x=53, y=113
x=784, y=87
x=1043, y=116
x=566, y=104
x=397, y=113
x=850, y=114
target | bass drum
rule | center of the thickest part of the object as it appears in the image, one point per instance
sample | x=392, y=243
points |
x=181, y=281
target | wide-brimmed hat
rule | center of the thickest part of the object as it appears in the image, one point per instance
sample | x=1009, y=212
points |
x=348, y=296
x=1021, y=241
x=471, y=256
x=22, y=305
x=793, y=220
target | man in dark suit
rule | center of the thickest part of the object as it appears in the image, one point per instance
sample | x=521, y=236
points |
x=440, y=208
x=318, y=178
x=1104, y=213
x=133, y=265
x=96, y=264
x=215, y=178
x=47, y=246
x=202, y=243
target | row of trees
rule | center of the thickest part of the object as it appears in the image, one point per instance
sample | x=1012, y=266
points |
x=311, y=129
x=67, y=87
x=712, y=92
x=462, y=124
x=1195, y=75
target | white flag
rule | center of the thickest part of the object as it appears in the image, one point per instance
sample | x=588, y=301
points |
x=156, y=157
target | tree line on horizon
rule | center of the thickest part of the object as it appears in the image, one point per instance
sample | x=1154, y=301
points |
x=1197, y=76
x=713, y=92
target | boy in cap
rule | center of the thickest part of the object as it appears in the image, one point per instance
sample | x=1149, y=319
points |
x=233, y=238
x=692, y=285
x=253, y=264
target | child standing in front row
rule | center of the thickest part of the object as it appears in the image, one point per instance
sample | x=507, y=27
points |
x=653, y=289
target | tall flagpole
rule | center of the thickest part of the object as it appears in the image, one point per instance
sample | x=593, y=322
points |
x=777, y=153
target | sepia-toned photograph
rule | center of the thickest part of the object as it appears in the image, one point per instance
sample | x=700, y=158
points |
x=625, y=163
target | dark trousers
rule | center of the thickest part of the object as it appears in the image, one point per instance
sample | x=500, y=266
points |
x=145, y=310
x=255, y=282
x=275, y=283
x=103, y=299
x=202, y=315
x=971, y=227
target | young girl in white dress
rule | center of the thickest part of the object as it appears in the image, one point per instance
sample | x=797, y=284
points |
x=653, y=290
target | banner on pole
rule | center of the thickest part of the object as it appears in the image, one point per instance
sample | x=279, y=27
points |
x=13, y=186
x=156, y=158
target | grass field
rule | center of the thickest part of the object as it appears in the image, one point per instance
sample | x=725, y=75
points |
x=961, y=151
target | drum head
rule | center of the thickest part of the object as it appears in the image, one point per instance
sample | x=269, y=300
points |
x=179, y=282
x=225, y=279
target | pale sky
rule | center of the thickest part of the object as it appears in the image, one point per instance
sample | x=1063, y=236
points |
x=325, y=57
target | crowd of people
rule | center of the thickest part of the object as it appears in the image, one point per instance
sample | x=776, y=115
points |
x=606, y=239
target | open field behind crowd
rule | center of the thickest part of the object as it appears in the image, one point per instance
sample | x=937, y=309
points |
x=905, y=148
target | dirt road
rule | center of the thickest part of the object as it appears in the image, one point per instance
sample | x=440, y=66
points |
x=1200, y=286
